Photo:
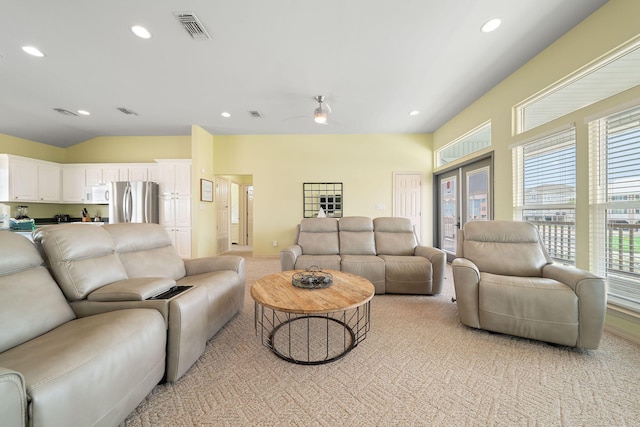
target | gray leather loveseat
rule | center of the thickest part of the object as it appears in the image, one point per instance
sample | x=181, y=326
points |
x=102, y=268
x=60, y=370
x=383, y=250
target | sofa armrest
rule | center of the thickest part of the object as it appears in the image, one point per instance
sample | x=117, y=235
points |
x=438, y=260
x=136, y=289
x=13, y=398
x=288, y=257
x=592, y=300
x=215, y=263
x=466, y=280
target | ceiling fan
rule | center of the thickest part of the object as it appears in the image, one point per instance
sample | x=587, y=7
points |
x=321, y=113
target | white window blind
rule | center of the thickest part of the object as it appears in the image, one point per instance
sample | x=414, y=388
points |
x=615, y=204
x=544, y=182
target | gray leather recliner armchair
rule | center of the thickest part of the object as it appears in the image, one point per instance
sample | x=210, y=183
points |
x=506, y=282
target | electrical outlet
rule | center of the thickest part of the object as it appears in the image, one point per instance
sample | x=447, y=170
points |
x=275, y=243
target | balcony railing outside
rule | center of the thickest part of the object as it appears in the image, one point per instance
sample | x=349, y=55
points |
x=622, y=253
x=559, y=237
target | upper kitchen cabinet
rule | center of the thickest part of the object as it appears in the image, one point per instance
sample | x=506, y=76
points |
x=174, y=176
x=29, y=180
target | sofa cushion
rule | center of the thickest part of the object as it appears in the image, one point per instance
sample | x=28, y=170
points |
x=370, y=267
x=356, y=236
x=319, y=236
x=531, y=307
x=146, y=251
x=325, y=262
x=514, y=247
x=408, y=274
x=31, y=303
x=394, y=236
x=82, y=258
x=91, y=371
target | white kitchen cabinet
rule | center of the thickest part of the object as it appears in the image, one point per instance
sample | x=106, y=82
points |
x=73, y=183
x=174, y=178
x=29, y=180
x=181, y=239
x=23, y=180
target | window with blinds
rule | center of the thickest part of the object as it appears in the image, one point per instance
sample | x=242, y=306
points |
x=545, y=191
x=615, y=204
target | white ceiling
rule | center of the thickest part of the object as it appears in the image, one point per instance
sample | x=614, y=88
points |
x=374, y=60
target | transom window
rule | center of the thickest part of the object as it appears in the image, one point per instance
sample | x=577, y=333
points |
x=601, y=79
x=471, y=142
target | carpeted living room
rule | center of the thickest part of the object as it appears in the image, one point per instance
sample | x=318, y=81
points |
x=419, y=366
x=381, y=157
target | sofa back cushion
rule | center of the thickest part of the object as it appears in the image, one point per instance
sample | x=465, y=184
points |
x=81, y=257
x=31, y=303
x=356, y=236
x=509, y=248
x=145, y=250
x=394, y=236
x=319, y=236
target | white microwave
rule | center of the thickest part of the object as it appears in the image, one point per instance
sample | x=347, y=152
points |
x=97, y=194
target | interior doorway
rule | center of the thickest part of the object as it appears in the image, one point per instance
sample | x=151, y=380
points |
x=463, y=193
x=239, y=221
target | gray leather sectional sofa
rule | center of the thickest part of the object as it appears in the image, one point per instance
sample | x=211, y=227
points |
x=93, y=317
x=383, y=250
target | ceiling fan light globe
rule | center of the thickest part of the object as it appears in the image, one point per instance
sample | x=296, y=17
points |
x=320, y=116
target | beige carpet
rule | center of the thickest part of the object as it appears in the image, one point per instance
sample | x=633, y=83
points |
x=418, y=367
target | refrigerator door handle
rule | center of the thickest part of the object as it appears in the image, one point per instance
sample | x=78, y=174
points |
x=147, y=201
x=127, y=204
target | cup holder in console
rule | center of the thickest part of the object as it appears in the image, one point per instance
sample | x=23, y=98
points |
x=171, y=292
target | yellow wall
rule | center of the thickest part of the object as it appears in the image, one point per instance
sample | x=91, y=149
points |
x=35, y=150
x=129, y=149
x=280, y=164
x=203, y=214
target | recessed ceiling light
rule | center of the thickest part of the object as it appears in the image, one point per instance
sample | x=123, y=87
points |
x=141, y=32
x=414, y=113
x=491, y=25
x=84, y=112
x=33, y=51
x=225, y=115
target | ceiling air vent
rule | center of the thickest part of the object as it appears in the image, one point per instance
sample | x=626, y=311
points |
x=127, y=111
x=255, y=114
x=192, y=24
x=64, y=112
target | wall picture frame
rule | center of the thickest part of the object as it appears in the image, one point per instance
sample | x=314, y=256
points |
x=206, y=190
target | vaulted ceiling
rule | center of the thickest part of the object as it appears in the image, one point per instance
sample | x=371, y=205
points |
x=375, y=61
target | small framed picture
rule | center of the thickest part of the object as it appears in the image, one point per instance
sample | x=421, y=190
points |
x=206, y=190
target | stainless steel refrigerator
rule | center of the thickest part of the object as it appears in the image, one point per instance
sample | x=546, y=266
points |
x=133, y=201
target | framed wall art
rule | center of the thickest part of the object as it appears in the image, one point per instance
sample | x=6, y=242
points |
x=206, y=190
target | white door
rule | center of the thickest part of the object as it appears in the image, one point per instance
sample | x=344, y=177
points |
x=223, y=219
x=407, y=199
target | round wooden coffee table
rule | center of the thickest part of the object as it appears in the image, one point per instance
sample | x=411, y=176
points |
x=312, y=326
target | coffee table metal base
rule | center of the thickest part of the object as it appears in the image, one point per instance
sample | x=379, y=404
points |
x=312, y=339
